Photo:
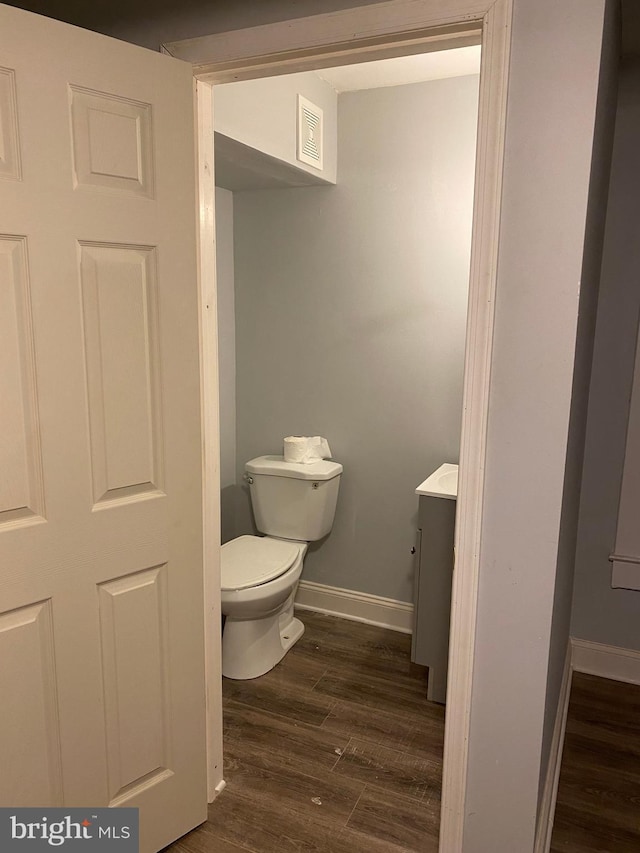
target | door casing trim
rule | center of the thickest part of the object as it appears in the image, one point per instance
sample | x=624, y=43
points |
x=371, y=32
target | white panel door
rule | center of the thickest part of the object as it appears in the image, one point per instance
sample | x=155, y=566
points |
x=101, y=603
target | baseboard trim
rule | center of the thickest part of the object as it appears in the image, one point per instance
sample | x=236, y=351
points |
x=606, y=661
x=547, y=810
x=357, y=606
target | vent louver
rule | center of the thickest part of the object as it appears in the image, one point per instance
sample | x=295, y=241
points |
x=309, y=133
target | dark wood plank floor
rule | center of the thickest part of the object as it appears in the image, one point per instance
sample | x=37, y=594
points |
x=336, y=751
x=598, y=808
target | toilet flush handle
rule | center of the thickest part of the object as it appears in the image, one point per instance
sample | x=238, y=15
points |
x=247, y=478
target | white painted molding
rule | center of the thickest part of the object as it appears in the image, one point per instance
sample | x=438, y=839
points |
x=606, y=661
x=357, y=606
x=624, y=558
x=210, y=430
x=625, y=572
x=492, y=112
x=547, y=809
x=303, y=44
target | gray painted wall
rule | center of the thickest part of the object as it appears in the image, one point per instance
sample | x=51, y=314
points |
x=350, y=318
x=589, y=285
x=602, y=614
x=226, y=359
x=554, y=72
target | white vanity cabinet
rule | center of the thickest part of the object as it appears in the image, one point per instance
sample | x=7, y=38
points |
x=433, y=577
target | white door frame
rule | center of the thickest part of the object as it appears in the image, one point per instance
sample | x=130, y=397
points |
x=209, y=391
x=371, y=32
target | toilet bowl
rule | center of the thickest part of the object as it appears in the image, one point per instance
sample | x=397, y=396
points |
x=293, y=504
x=260, y=575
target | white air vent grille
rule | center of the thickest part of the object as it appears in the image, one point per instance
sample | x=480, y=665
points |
x=309, y=133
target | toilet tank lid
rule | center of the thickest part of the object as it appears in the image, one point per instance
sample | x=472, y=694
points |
x=275, y=466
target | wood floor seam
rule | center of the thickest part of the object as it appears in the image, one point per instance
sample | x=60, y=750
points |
x=355, y=805
x=342, y=752
x=319, y=680
x=339, y=753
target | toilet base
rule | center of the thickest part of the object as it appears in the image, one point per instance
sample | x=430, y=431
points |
x=291, y=633
x=251, y=647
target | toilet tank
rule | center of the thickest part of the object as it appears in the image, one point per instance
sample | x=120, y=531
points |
x=292, y=500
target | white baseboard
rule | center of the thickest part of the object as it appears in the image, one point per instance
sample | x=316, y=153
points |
x=550, y=791
x=358, y=606
x=606, y=661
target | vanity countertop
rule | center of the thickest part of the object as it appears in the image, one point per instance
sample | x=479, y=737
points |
x=443, y=483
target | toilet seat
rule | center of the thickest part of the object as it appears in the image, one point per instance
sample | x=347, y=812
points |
x=253, y=560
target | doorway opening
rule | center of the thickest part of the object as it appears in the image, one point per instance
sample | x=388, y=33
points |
x=342, y=292
x=318, y=42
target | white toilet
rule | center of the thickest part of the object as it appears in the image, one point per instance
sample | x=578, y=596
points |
x=293, y=504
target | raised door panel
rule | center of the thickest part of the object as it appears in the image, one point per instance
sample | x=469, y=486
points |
x=31, y=772
x=21, y=486
x=9, y=143
x=133, y=618
x=112, y=145
x=123, y=382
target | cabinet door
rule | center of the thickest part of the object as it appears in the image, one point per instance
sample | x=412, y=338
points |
x=433, y=603
x=417, y=652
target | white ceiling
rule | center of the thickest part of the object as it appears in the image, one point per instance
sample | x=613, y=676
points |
x=457, y=62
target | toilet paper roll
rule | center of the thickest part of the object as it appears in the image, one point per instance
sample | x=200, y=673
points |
x=306, y=449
